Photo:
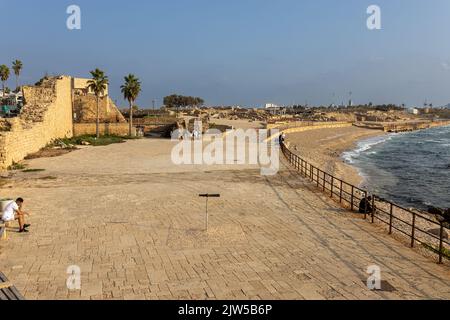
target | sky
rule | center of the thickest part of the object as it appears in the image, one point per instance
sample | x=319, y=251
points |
x=240, y=52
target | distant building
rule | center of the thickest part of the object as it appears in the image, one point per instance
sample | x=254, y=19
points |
x=270, y=106
x=12, y=99
x=274, y=109
x=414, y=111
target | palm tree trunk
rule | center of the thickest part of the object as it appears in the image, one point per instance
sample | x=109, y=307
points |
x=131, y=119
x=97, y=127
x=17, y=82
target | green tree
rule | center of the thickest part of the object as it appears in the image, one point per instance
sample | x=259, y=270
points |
x=4, y=75
x=98, y=85
x=177, y=101
x=130, y=90
x=17, y=66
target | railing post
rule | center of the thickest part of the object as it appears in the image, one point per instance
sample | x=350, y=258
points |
x=352, y=198
x=318, y=178
x=413, y=232
x=332, y=186
x=373, y=208
x=311, y=172
x=441, y=243
x=391, y=215
x=340, y=192
x=324, y=179
x=365, y=205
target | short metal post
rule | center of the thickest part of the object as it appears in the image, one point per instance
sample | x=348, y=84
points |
x=366, y=204
x=441, y=243
x=373, y=208
x=332, y=186
x=207, y=196
x=207, y=217
x=340, y=193
x=324, y=180
x=391, y=215
x=413, y=232
x=352, y=199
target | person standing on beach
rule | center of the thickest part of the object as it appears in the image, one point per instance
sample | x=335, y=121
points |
x=13, y=211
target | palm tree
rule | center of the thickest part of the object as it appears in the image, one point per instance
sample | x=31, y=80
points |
x=131, y=90
x=4, y=75
x=98, y=85
x=17, y=67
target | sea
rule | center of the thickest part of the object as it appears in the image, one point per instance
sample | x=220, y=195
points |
x=411, y=169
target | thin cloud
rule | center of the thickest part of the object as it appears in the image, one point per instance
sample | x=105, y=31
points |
x=445, y=66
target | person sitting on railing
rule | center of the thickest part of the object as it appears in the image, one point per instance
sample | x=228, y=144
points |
x=365, y=206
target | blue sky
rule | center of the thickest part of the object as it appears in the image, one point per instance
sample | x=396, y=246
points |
x=244, y=52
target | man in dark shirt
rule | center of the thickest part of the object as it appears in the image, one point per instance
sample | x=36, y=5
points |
x=365, y=206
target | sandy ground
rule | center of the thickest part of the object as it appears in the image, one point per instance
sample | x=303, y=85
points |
x=324, y=148
x=134, y=224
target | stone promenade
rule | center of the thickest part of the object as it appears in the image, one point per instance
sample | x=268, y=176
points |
x=134, y=224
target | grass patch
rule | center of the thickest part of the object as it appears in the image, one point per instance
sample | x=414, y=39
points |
x=445, y=251
x=93, y=141
x=33, y=170
x=131, y=138
x=17, y=166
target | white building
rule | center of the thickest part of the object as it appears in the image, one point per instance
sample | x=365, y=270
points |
x=271, y=106
x=274, y=109
x=414, y=111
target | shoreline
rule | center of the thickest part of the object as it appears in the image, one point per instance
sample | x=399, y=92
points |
x=326, y=148
x=317, y=147
x=331, y=149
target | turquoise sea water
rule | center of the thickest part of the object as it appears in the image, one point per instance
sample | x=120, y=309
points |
x=412, y=169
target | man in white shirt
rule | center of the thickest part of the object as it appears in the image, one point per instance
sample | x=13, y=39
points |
x=13, y=211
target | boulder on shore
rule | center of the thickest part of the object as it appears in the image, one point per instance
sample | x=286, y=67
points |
x=437, y=233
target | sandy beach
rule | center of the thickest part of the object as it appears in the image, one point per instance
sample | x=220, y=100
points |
x=324, y=149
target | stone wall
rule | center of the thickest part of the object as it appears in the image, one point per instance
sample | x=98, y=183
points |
x=46, y=115
x=85, y=110
x=118, y=129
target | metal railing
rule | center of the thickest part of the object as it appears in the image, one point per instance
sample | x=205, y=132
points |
x=415, y=226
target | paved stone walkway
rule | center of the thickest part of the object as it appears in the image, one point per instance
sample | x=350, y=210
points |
x=134, y=225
